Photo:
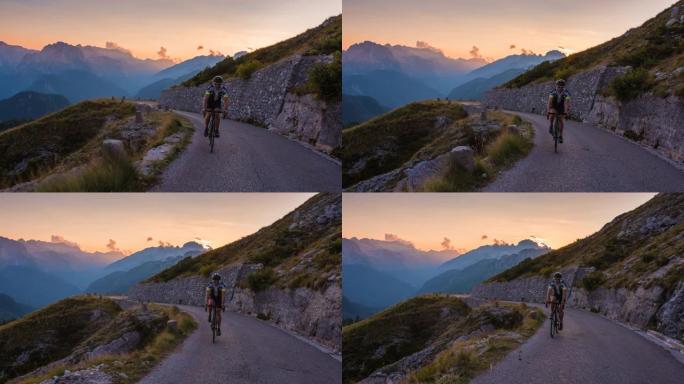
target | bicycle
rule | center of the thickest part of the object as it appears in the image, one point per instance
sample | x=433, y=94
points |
x=213, y=122
x=555, y=129
x=554, y=320
x=214, y=322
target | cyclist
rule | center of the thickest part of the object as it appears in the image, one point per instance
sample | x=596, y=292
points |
x=558, y=104
x=215, y=296
x=557, y=294
x=215, y=100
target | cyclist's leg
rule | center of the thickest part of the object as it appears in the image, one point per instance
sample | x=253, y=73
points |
x=561, y=121
x=560, y=316
x=207, y=115
x=218, y=120
x=218, y=319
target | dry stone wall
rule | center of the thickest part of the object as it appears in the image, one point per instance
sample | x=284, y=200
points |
x=312, y=314
x=653, y=121
x=267, y=99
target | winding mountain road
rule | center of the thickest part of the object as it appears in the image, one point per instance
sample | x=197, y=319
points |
x=590, y=160
x=249, y=351
x=248, y=159
x=589, y=350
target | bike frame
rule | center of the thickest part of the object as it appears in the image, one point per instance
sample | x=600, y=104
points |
x=554, y=320
x=555, y=124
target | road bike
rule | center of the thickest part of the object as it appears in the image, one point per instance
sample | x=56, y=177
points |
x=554, y=320
x=555, y=129
x=213, y=127
x=214, y=322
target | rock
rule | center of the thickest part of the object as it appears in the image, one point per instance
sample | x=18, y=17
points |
x=660, y=75
x=513, y=129
x=152, y=157
x=442, y=122
x=464, y=156
x=138, y=117
x=671, y=22
x=674, y=11
x=172, y=325
x=679, y=70
x=113, y=149
x=670, y=316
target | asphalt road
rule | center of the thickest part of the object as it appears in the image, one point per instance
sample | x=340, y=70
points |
x=589, y=350
x=248, y=159
x=249, y=351
x=591, y=159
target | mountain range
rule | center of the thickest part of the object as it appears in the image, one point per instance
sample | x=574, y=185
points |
x=82, y=72
x=395, y=75
x=38, y=273
x=381, y=273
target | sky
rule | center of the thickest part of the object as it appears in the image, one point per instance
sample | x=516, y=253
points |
x=469, y=220
x=497, y=28
x=131, y=222
x=144, y=26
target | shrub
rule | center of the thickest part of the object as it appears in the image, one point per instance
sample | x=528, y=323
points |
x=108, y=175
x=245, y=70
x=261, y=279
x=593, y=280
x=633, y=135
x=632, y=84
x=325, y=80
x=507, y=148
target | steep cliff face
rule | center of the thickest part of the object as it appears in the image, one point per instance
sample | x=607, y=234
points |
x=287, y=273
x=632, y=270
x=267, y=99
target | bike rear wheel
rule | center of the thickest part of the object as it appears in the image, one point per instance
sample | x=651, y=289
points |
x=212, y=132
x=554, y=323
x=555, y=134
x=213, y=325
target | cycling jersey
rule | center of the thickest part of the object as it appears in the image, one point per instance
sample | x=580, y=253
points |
x=216, y=95
x=558, y=100
x=216, y=293
x=558, y=289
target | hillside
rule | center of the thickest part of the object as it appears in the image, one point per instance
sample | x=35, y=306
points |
x=433, y=339
x=10, y=309
x=631, y=270
x=358, y=109
x=86, y=334
x=322, y=40
x=30, y=105
x=430, y=145
x=72, y=140
x=657, y=46
x=301, y=249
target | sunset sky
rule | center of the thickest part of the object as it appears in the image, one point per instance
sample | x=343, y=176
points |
x=143, y=26
x=425, y=219
x=93, y=220
x=494, y=26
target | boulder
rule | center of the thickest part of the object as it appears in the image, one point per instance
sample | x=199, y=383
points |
x=464, y=156
x=138, y=117
x=113, y=149
x=671, y=22
x=670, y=317
x=172, y=325
x=514, y=129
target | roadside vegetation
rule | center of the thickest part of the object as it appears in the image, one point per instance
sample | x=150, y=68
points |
x=629, y=260
x=425, y=130
x=448, y=331
x=63, y=152
x=648, y=49
x=325, y=39
x=291, y=257
x=157, y=341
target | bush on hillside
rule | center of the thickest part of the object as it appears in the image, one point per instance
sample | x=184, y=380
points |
x=325, y=80
x=631, y=85
x=261, y=279
x=593, y=280
x=245, y=70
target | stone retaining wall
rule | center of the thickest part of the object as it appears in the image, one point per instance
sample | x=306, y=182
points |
x=266, y=99
x=313, y=314
x=654, y=121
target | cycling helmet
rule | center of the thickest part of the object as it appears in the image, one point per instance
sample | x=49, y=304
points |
x=557, y=275
x=216, y=276
x=217, y=80
x=560, y=82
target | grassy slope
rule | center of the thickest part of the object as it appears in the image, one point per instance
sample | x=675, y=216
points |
x=130, y=367
x=279, y=249
x=651, y=46
x=74, y=138
x=621, y=261
x=322, y=40
x=436, y=320
x=401, y=133
x=409, y=134
x=59, y=327
x=62, y=133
